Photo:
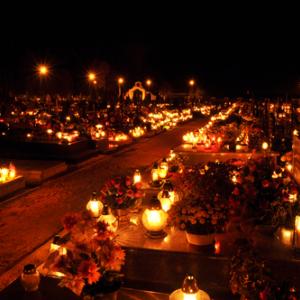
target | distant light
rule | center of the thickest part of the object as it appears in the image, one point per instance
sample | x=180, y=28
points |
x=91, y=76
x=265, y=145
x=121, y=80
x=192, y=82
x=148, y=82
x=43, y=70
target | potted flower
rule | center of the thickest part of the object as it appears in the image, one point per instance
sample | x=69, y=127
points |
x=251, y=278
x=91, y=260
x=121, y=194
x=200, y=219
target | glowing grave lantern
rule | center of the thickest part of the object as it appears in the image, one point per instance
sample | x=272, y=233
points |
x=154, y=219
x=189, y=291
x=108, y=218
x=155, y=174
x=94, y=206
x=137, y=177
x=163, y=169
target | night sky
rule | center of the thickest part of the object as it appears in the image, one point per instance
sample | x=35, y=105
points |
x=227, y=53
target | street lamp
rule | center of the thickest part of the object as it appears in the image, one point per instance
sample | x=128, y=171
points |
x=148, y=82
x=43, y=70
x=91, y=76
x=120, y=82
x=192, y=82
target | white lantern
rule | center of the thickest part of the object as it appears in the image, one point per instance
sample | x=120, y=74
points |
x=163, y=169
x=189, y=291
x=155, y=174
x=154, y=219
x=108, y=218
x=137, y=177
x=94, y=206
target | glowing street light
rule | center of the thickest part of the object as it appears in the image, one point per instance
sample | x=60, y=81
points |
x=43, y=70
x=91, y=76
x=120, y=82
x=192, y=82
x=148, y=82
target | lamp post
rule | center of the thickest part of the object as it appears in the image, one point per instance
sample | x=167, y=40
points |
x=43, y=72
x=120, y=83
x=92, y=79
x=148, y=84
x=192, y=84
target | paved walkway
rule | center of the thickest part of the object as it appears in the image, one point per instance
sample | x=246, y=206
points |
x=29, y=220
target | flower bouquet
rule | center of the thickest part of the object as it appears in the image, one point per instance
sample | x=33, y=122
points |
x=200, y=219
x=121, y=193
x=91, y=260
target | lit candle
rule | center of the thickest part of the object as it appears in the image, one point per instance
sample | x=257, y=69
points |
x=155, y=173
x=293, y=197
x=154, y=219
x=12, y=171
x=94, y=206
x=238, y=147
x=4, y=172
x=109, y=219
x=55, y=245
x=297, y=232
x=264, y=146
x=234, y=179
x=286, y=236
x=165, y=200
x=217, y=247
x=137, y=177
x=172, y=155
x=163, y=169
x=289, y=167
x=189, y=291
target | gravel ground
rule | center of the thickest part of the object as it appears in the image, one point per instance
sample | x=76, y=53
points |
x=29, y=220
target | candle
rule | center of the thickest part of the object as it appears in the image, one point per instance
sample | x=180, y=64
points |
x=165, y=200
x=108, y=218
x=264, y=146
x=293, y=197
x=154, y=175
x=154, y=219
x=137, y=177
x=217, y=247
x=189, y=291
x=94, y=206
x=286, y=236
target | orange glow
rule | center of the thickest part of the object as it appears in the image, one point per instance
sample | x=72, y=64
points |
x=192, y=82
x=91, y=76
x=43, y=70
x=121, y=80
x=148, y=82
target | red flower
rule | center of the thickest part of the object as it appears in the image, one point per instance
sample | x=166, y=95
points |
x=120, y=200
x=265, y=183
x=128, y=181
x=130, y=193
x=138, y=195
x=138, y=185
x=70, y=220
x=236, y=191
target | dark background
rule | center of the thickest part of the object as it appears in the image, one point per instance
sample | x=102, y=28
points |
x=230, y=51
